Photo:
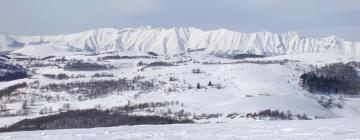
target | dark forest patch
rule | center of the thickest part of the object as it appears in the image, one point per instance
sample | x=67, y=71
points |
x=335, y=78
x=115, y=57
x=244, y=56
x=89, y=118
x=85, y=66
x=10, y=89
x=10, y=72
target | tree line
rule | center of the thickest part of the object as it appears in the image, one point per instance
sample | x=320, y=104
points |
x=338, y=78
x=6, y=91
x=98, y=88
x=89, y=118
x=10, y=72
x=78, y=65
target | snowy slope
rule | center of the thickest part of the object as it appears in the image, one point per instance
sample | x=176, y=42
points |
x=181, y=40
x=47, y=49
x=279, y=82
x=246, y=88
x=329, y=129
x=8, y=43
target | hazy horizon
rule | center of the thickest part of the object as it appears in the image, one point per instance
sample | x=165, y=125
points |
x=309, y=18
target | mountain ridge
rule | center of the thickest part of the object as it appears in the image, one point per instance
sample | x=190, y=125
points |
x=181, y=39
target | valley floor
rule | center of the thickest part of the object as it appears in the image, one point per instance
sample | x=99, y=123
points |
x=329, y=129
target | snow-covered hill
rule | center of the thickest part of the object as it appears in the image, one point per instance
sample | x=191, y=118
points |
x=218, y=91
x=179, y=40
x=238, y=88
x=330, y=129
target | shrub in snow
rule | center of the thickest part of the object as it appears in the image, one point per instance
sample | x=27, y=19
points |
x=196, y=71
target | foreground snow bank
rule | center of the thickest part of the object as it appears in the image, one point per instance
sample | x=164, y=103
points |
x=341, y=128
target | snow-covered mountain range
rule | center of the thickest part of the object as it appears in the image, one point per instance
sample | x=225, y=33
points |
x=178, y=40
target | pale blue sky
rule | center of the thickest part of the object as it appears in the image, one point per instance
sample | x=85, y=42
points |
x=314, y=18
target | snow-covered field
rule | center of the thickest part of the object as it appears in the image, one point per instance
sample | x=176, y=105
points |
x=325, y=129
x=257, y=84
x=245, y=87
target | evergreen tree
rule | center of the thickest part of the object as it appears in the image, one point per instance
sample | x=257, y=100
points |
x=210, y=84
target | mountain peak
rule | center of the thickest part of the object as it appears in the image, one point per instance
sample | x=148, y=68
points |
x=180, y=39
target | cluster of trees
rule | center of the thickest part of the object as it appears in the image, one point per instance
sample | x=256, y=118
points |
x=103, y=74
x=196, y=71
x=65, y=108
x=38, y=64
x=46, y=110
x=10, y=72
x=210, y=84
x=243, y=56
x=115, y=116
x=123, y=57
x=48, y=57
x=98, y=88
x=10, y=89
x=263, y=62
x=330, y=102
x=142, y=107
x=195, y=50
x=141, y=63
x=92, y=88
x=151, y=108
x=158, y=64
x=28, y=59
x=262, y=114
x=62, y=76
x=277, y=115
x=175, y=87
x=334, y=78
x=4, y=111
x=59, y=76
x=62, y=59
x=88, y=119
x=354, y=64
x=172, y=78
x=78, y=65
x=233, y=115
x=206, y=116
x=182, y=61
x=24, y=110
x=152, y=53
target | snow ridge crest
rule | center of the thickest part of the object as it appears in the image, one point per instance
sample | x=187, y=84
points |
x=180, y=40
